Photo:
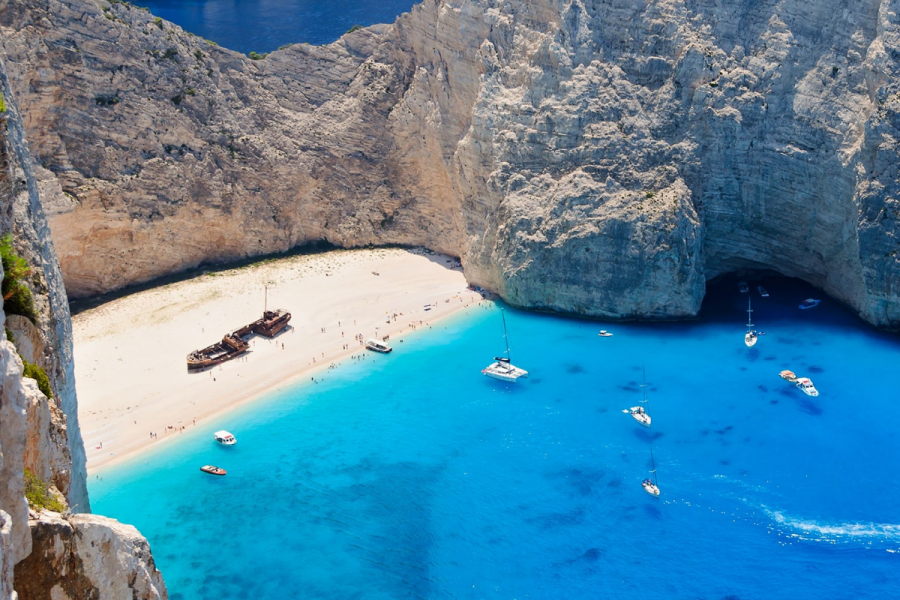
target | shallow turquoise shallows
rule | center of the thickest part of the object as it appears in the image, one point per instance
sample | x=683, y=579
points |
x=414, y=476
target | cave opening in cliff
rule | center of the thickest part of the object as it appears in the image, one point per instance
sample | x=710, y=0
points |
x=770, y=294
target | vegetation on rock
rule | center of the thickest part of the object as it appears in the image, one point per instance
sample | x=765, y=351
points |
x=40, y=376
x=38, y=494
x=17, y=298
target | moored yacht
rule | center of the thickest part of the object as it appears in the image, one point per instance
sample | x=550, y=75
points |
x=763, y=292
x=639, y=413
x=651, y=486
x=604, y=333
x=742, y=285
x=502, y=368
x=809, y=303
x=751, y=337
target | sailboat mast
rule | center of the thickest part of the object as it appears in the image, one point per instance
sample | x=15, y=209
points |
x=266, y=303
x=749, y=310
x=644, y=384
x=505, y=334
x=653, y=464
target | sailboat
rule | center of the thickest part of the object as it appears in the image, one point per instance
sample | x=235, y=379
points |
x=651, y=486
x=640, y=412
x=751, y=336
x=503, y=369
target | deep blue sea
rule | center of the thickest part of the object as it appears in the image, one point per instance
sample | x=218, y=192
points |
x=414, y=476
x=264, y=25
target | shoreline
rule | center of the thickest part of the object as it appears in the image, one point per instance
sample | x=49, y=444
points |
x=141, y=340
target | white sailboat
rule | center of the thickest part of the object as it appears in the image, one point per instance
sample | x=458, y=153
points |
x=639, y=413
x=751, y=336
x=651, y=486
x=502, y=368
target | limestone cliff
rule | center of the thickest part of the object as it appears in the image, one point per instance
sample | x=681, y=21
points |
x=55, y=556
x=603, y=157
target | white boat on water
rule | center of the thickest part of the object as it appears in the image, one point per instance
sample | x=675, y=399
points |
x=751, y=337
x=809, y=303
x=806, y=385
x=651, y=486
x=639, y=413
x=742, y=285
x=224, y=438
x=763, y=292
x=604, y=333
x=378, y=346
x=502, y=368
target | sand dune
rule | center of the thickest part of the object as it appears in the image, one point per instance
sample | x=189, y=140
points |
x=130, y=367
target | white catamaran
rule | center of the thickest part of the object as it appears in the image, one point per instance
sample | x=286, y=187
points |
x=751, y=336
x=639, y=412
x=651, y=486
x=503, y=369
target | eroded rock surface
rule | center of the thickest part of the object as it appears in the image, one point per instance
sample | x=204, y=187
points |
x=87, y=556
x=603, y=158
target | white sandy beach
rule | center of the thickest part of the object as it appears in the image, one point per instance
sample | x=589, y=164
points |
x=130, y=367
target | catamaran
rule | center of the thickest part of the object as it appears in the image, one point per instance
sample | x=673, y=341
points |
x=651, y=486
x=639, y=413
x=503, y=369
x=750, y=337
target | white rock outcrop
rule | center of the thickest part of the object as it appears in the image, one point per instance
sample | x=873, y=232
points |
x=87, y=556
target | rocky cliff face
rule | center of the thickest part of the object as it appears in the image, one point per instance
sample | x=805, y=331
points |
x=55, y=556
x=602, y=157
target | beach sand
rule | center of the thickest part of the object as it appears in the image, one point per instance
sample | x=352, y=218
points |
x=130, y=367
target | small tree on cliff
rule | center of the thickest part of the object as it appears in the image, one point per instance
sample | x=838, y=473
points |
x=17, y=298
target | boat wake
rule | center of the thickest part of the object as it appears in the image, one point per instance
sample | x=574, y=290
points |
x=868, y=534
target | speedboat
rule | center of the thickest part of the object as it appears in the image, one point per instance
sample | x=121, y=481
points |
x=604, y=333
x=213, y=470
x=650, y=487
x=640, y=415
x=503, y=370
x=788, y=376
x=378, y=346
x=763, y=292
x=809, y=303
x=806, y=385
x=224, y=438
x=742, y=285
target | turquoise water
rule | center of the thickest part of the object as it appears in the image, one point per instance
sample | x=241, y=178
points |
x=414, y=476
x=264, y=25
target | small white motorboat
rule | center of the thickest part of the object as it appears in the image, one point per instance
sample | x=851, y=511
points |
x=742, y=285
x=224, y=438
x=502, y=368
x=809, y=303
x=806, y=385
x=213, y=470
x=378, y=346
x=763, y=292
x=604, y=333
x=788, y=376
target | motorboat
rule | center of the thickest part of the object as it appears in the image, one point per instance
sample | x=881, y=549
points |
x=378, y=346
x=809, y=303
x=763, y=292
x=806, y=386
x=604, y=333
x=213, y=470
x=502, y=368
x=788, y=376
x=224, y=438
x=750, y=338
x=742, y=285
x=651, y=486
x=640, y=415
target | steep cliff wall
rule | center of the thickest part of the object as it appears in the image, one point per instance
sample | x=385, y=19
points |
x=55, y=556
x=603, y=157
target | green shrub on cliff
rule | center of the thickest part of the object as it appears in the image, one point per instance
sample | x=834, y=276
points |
x=2, y=104
x=17, y=298
x=40, y=375
x=38, y=494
